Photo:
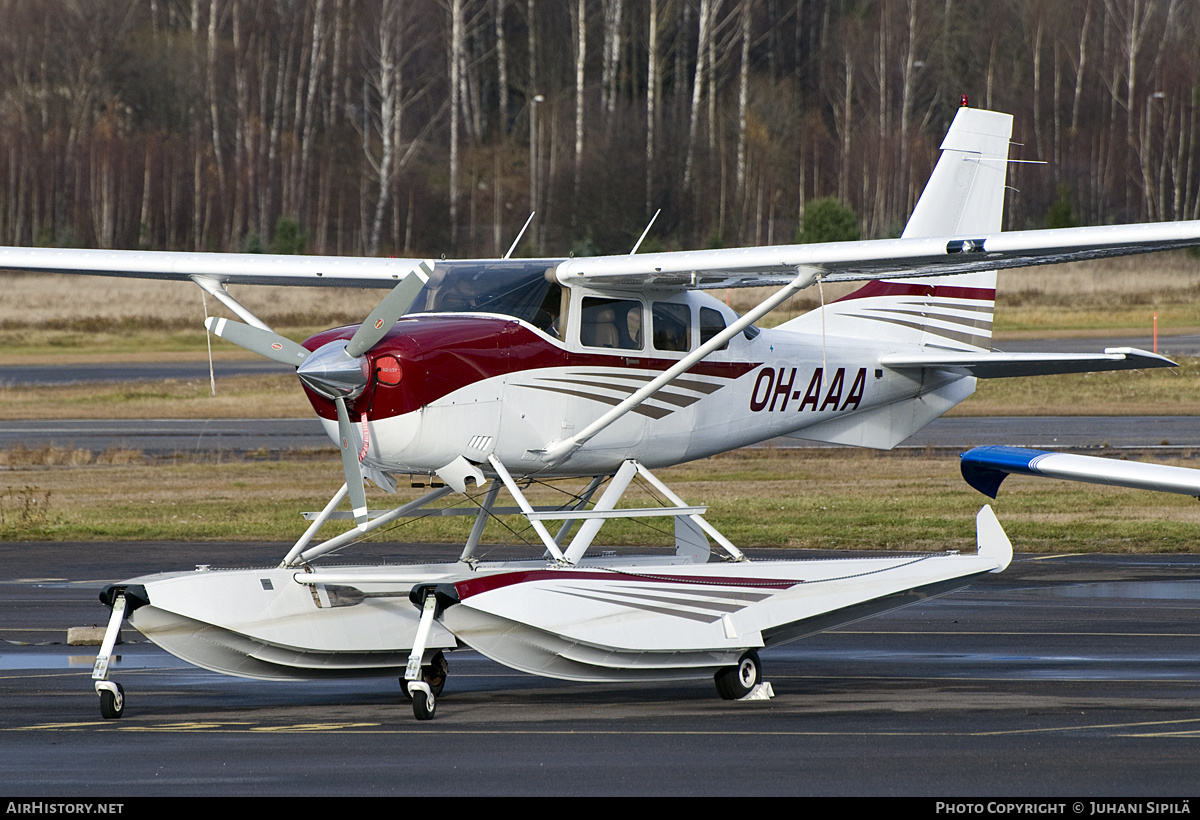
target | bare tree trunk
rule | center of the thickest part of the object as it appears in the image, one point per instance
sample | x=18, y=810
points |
x=613, y=10
x=197, y=167
x=282, y=84
x=907, y=186
x=847, y=121
x=457, y=35
x=697, y=87
x=214, y=110
x=308, y=127
x=1038, y=29
x=1080, y=67
x=531, y=100
x=241, y=126
x=743, y=101
x=651, y=103
x=580, y=60
x=390, y=109
x=502, y=67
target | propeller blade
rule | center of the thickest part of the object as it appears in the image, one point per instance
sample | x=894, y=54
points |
x=350, y=465
x=389, y=311
x=263, y=342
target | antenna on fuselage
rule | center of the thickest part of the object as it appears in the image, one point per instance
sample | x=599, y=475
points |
x=522, y=233
x=638, y=244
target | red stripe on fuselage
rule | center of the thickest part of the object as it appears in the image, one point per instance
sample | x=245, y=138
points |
x=883, y=287
x=446, y=352
x=487, y=583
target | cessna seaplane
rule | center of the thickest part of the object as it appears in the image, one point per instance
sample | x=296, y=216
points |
x=472, y=375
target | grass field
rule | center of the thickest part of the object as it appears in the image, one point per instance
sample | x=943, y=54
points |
x=820, y=499
x=824, y=499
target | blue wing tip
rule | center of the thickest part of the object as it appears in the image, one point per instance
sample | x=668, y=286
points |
x=985, y=468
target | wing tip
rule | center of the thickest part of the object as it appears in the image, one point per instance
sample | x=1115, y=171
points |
x=991, y=540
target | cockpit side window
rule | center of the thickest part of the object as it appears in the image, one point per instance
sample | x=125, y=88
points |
x=524, y=291
x=613, y=323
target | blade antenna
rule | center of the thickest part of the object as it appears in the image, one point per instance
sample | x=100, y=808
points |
x=516, y=241
x=638, y=244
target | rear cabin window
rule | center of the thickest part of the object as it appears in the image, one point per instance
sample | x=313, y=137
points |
x=711, y=323
x=672, y=327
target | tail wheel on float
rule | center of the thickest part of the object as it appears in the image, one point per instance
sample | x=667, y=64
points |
x=735, y=682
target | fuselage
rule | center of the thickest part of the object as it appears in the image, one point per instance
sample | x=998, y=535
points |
x=475, y=379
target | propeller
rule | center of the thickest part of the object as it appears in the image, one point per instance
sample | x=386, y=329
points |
x=350, y=464
x=338, y=370
x=263, y=342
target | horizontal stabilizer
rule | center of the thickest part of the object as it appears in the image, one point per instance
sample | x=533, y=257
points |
x=984, y=468
x=995, y=365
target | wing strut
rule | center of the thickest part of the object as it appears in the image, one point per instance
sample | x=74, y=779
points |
x=557, y=452
x=217, y=289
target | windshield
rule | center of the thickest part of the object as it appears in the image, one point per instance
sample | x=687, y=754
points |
x=519, y=287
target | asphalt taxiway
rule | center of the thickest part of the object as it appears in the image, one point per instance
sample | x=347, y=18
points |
x=169, y=437
x=1063, y=676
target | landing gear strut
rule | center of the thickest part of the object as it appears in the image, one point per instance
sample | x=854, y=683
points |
x=423, y=683
x=123, y=600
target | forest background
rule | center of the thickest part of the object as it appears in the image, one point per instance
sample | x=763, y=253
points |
x=429, y=127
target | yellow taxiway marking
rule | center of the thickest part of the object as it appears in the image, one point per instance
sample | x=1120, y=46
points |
x=1094, y=726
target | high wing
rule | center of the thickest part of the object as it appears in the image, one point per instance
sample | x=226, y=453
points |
x=726, y=268
x=221, y=268
x=875, y=259
x=984, y=468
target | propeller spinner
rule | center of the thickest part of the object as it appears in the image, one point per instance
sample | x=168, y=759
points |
x=338, y=370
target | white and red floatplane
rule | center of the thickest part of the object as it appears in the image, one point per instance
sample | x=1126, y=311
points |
x=474, y=374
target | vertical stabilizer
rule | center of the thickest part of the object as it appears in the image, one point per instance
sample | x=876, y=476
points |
x=964, y=197
x=965, y=193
